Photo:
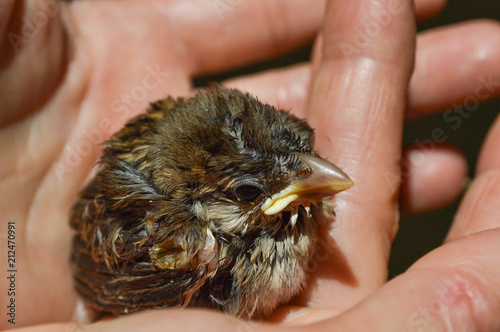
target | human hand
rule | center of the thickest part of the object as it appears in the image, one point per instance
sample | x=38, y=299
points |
x=78, y=99
x=72, y=76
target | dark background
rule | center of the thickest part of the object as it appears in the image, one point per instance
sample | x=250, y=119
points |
x=422, y=233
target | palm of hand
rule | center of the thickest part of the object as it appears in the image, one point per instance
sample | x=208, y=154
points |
x=134, y=56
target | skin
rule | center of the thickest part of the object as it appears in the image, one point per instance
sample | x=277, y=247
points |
x=93, y=52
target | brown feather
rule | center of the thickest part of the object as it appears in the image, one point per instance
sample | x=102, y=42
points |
x=166, y=183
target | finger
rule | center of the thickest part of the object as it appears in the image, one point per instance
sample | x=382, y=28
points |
x=229, y=34
x=479, y=209
x=58, y=327
x=152, y=321
x=259, y=29
x=456, y=65
x=433, y=177
x=174, y=319
x=454, y=288
x=427, y=8
x=29, y=29
x=357, y=106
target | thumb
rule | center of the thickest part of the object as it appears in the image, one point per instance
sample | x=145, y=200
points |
x=454, y=288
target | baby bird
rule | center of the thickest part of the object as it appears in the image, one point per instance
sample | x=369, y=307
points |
x=213, y=201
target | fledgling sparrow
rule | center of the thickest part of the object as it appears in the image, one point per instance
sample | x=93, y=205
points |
x=210, y=202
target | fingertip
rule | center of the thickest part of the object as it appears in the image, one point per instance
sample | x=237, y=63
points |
x=433, y=178
x=478, y=210
x=426, y=9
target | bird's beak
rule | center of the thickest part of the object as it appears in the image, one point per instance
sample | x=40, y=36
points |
x=323, y=179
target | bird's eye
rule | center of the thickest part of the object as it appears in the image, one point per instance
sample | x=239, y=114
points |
x=247, y=191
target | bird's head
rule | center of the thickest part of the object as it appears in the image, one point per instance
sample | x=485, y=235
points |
x=234, y=162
